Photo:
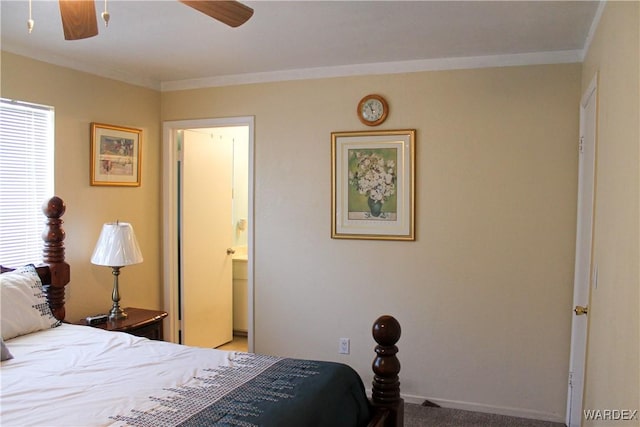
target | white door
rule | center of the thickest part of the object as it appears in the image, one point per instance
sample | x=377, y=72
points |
x=583, y=262
x=207, y=233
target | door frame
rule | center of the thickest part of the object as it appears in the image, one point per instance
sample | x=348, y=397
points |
x=170, y=157
x=582, y=288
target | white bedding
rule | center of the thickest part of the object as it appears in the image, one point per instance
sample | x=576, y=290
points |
x=58, y=366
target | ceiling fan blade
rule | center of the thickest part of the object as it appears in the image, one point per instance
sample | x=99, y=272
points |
x=232, y=13
x=78, y=19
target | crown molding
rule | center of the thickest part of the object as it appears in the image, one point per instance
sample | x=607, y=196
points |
x=555, y=57
x=593, y=27
x=105, y=72
x=440, y=64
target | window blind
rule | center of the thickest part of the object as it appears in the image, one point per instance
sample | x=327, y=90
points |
x=26, y=179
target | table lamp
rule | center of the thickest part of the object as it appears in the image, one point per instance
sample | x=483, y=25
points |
x=117, y=247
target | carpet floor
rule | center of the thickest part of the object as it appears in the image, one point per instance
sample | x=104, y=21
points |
x=424, y=416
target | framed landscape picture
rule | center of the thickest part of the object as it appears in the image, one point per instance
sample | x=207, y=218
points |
x=373, y=185
x=115, y=155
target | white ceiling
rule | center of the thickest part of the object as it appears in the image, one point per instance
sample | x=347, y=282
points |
x=167, y=45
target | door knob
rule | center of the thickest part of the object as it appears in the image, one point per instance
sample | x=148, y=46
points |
x=581, y=310
x=231, y=251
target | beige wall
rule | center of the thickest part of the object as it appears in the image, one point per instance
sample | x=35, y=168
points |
x=484, y=293
x=613, y=361
x=80, y=99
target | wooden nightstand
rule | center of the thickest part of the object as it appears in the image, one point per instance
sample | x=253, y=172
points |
x=139, y=322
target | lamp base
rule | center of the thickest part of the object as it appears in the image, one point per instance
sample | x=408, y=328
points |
x=117, y=313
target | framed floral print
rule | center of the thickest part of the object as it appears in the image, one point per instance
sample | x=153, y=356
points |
x=115, y=155
x=373, y=185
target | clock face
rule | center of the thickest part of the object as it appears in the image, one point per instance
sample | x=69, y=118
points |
x=372, y=110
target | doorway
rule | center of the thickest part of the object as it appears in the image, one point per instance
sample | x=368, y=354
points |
x=176, y=186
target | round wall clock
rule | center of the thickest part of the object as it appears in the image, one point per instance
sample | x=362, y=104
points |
x=372, y=110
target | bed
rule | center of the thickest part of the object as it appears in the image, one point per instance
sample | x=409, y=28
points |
x=60, y=374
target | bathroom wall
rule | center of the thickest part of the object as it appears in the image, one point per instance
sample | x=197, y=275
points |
x=240, y=137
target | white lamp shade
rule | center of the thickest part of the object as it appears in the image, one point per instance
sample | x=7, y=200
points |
x=117, y=246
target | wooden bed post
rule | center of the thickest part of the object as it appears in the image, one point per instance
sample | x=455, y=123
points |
x=53, y=255
x=386, y=366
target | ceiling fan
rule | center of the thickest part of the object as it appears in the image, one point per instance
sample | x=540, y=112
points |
x=79, y=16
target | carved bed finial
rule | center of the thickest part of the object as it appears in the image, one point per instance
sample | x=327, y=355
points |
x=386, y=366
x=53, y=255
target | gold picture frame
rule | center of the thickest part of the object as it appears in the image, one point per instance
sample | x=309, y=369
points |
x=373, y=185
x=116, y=155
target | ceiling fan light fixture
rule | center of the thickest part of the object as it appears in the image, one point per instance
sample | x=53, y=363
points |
x=79, y=20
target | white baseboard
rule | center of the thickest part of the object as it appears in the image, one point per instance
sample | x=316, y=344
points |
x=490, y=409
